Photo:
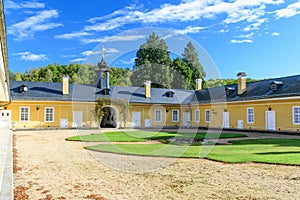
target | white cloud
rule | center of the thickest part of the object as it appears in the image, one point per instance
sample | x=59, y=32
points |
x=290, y=11
x=114, y=38
x=252, y=13
x=25, y=5
x=39, y=22
x=106, y=26
x=28, y=56
x=111, y=50
x=275, y=34
x=68, y=36
x=224, y=31
x=68, y=56
x=235, y=11
x=78, y=60
x=189, y=29
x=255, y=26
x=86, y=54
x=89, y=53
x=241, y=41
x=247, y=36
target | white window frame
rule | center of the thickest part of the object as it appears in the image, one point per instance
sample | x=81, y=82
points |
x=156, y=117
x=175, y=120
x=197, y=115
x=248, y=116
x=294, y=115
x=28, y=114
x=207, y=115
x=45, y=115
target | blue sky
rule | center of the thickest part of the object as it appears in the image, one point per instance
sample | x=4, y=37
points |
x=260, y=37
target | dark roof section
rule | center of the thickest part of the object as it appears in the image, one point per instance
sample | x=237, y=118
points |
x=77, y=92
x=289, y=86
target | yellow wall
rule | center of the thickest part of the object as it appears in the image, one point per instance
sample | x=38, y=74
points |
x=148, y=112
x=237, y=111
x=62, y=110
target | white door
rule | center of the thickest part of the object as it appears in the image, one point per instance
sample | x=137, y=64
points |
x=240, y=124
x=226, y=120
x=77, y=119
x=147, y=122
x=63, y=123
x=270, y=120
x=5, y=119
x=136, y=119
x=186, y=119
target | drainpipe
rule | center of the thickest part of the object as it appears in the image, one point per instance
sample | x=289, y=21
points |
x=190, y=108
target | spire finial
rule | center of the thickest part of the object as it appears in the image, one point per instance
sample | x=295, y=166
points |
x=102, y=52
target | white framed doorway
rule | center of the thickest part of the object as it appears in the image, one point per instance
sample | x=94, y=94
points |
x=270, y=120
x=226, y=122
x=136, y=119
x=77, y=119
x=186, y=118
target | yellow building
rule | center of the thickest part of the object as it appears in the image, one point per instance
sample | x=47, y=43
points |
x=272, y=104
x=4, y=79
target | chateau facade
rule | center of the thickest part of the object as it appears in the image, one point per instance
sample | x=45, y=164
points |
x=271, y=104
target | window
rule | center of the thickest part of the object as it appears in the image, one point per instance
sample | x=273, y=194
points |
x=175, y=115
x=250, y=115
x=207, y=115
x=296, y=115
x=197, y=115
x=24, y=114
x=158, y=114
x=49, y=114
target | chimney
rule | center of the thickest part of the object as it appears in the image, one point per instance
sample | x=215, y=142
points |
x=198, y=84
x=147, y=85
x=241, y=82
x=65, y=85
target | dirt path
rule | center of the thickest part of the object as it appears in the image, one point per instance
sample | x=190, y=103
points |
x=59, y=169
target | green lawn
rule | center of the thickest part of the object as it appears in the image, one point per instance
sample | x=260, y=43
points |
x=140, y=136
x=279, y=151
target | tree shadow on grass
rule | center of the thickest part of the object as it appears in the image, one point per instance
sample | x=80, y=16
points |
x=278, y=153
x=271, y=141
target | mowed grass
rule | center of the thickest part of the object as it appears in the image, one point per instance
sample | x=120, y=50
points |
x=141, y=136
x=276, y=151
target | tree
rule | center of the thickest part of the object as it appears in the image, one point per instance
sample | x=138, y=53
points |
x=35, y=74
x=83, y=75
x=11, y=75
x=152, y=63
x=190, y=56
x=48, y=75
x=26, y=76
x=99, y=112
x=120, y=76
x=18, y=76
x=182, y=74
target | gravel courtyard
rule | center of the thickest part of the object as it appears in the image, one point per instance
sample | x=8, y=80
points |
x=48, y=167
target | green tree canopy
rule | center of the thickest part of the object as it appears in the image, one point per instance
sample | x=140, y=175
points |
x=190, y=56
x=182, y=74
x=120, y=76
x=152, y=63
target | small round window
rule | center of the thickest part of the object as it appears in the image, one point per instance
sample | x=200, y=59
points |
x=274, y=87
